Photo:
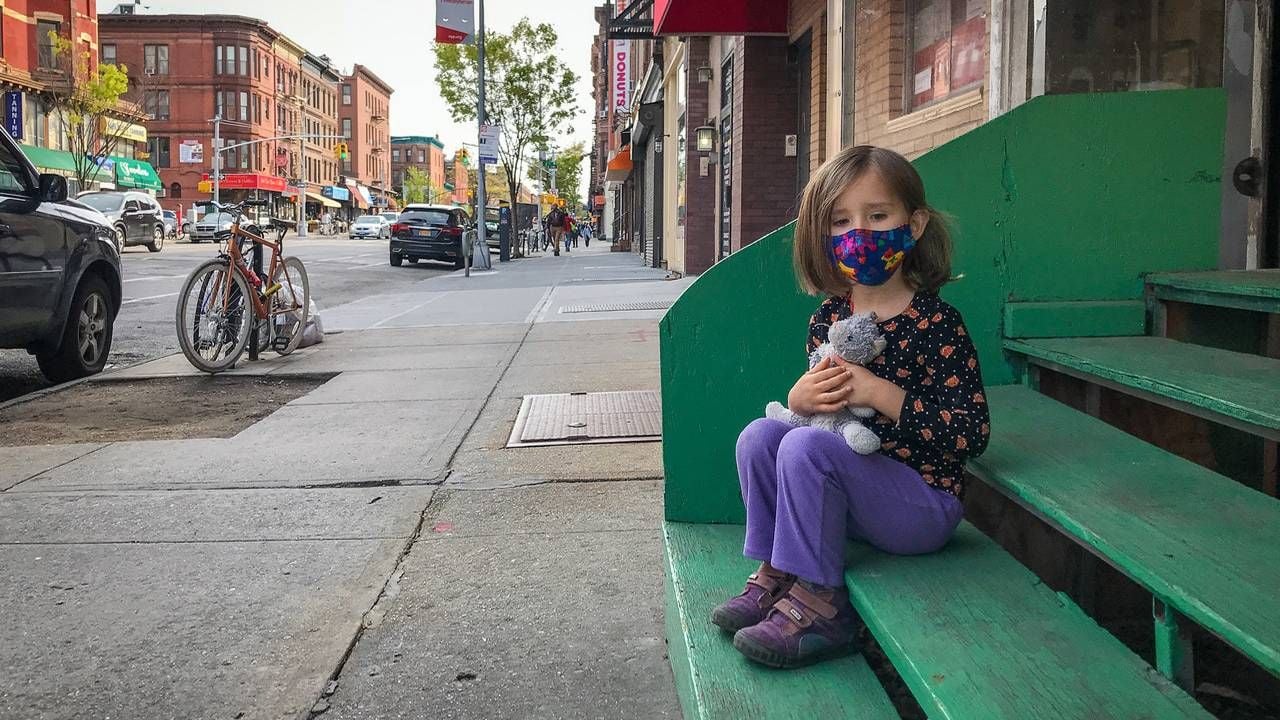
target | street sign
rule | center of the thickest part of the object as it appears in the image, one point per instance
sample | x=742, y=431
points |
x=489, y=137
x=454, y=21
x=13, y=115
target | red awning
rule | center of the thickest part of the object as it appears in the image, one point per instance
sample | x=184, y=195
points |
x=720, y=17
x=619, y=165
x=250, y=181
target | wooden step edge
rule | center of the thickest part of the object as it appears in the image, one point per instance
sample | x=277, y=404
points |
x=1252, y=420
x=1178, y=287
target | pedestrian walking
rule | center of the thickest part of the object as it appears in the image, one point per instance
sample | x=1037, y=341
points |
x=586, y=234
x=555, y=225
x=567, y=221
x=882, y=250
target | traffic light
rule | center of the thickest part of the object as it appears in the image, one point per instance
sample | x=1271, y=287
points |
x=340, y=151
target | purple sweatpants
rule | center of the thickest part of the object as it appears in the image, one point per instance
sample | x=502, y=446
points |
x=807, y=491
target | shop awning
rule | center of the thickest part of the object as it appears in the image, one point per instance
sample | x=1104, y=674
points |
x=136, y=174
x=364, y=195
x=60, y=162
x=619, y=165
x=313, y=197
x=719, y=17
x=340, y=194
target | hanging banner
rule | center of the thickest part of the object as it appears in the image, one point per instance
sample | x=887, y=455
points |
x=489, y=136
x=191, y=151
x=455, y=20
x=620, y=70
x=13, y=115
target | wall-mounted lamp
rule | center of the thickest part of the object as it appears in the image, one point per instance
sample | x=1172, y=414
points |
x=704, y=74
x=705, y=138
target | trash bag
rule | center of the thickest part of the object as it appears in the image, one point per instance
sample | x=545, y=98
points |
x=313, y=331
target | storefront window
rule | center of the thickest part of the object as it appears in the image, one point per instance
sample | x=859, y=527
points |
x=947, y=42
x=1119, y=45
x=682, y=94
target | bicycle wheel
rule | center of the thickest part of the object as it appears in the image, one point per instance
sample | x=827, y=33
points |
x=289, y=304
x=212, y=317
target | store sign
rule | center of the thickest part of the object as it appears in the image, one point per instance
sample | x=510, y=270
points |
x=252, y=181
x=489, y=137
x=620, y=74
x=191, y=151
x=13, y=114
x=336, y=193
x=454, y=21
x=112, y=127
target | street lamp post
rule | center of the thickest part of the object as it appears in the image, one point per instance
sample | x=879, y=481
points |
x=480, y=115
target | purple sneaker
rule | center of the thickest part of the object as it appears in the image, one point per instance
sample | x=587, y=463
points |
x=764, y=587
x=812, y=623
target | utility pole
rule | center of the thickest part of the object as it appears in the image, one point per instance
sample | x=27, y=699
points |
x=480, y=199
x=302, y=182
x=217, y=157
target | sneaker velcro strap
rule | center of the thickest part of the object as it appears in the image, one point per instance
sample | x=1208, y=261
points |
x=793, y=612
x=765, y=582
x=813, y=602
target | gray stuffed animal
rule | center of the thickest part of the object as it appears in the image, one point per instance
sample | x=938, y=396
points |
x=857, y=340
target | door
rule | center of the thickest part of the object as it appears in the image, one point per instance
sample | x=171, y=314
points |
x=1250, y=216
x=802, y=56
x=32, y=254
x=134, y=221
x=726, y=159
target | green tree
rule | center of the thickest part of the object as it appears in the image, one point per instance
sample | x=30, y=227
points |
x=416, y=187
x=92, y=98
x=568, y=172
x=528, y=90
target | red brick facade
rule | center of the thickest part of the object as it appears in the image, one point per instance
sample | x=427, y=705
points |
x=426, y=154
x=764, y=180
x=364, y=103
x=700, y=190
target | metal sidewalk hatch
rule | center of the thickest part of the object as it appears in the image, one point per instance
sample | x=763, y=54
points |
x=579, y=418
x=617, y=307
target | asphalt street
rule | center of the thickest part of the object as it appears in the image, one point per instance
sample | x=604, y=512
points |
x=341, y=271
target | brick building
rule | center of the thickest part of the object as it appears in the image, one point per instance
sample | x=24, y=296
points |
x=363, y=111
x=460, y=177
x=425, y=154
x=205, y=65
x=32, y=74
x=319, y=92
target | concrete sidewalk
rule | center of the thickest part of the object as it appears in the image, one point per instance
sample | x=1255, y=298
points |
x=374, y=531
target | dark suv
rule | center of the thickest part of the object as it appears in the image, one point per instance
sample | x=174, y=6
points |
x=135, y=216
x=429, y=232
x=59, y=271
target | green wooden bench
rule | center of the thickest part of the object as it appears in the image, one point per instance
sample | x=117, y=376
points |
x=705, y=567
x=1236, y=389
x=1203, y=545
x=1256, y=290
x=975, y=634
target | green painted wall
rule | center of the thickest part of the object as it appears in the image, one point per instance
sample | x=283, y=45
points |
x=1070, y=197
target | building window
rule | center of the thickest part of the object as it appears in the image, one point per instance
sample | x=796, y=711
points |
x=244, y=60
x=44, y=42
x=109, y=54
x=947, y=44
x=158, y=148
x=395, y=155
x=346, y=128
x=244, y=107
x=155, y=59
x=175, y=190
x=157, y=104
x=346, y=94
x=422, y=156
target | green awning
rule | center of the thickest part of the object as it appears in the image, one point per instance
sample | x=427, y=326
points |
x=55, y=161
x=136, y=174
x=58, y=162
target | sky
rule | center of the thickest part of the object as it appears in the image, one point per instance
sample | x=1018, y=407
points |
x=393, y=39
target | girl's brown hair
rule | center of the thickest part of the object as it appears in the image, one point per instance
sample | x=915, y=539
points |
x=927, y=266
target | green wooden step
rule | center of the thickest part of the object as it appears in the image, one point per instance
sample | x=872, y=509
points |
x=1236, y=389
x=976, y=635
x=1201, y=543
x=1257, y=290
x=704, y=568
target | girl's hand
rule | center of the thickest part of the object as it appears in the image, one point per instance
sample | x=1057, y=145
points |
x=821, y=390
x=867, y=390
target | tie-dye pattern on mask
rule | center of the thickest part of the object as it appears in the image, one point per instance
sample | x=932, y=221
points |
x=870, y=257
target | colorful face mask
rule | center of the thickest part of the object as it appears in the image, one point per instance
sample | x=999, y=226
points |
x=870, y=257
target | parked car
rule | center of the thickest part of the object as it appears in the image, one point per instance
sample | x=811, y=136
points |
x=212, y=227
x=135, y=216
x=172, y=224
x=59, y=271
x=390, y=215
x=491, y=237
x=429, y=232
x=370, y=226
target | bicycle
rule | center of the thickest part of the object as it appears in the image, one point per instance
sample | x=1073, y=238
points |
x=213, y=325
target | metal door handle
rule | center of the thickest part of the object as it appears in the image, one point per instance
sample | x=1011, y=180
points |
x=1247, y=177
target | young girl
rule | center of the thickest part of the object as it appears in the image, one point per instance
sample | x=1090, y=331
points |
x=867, y=238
